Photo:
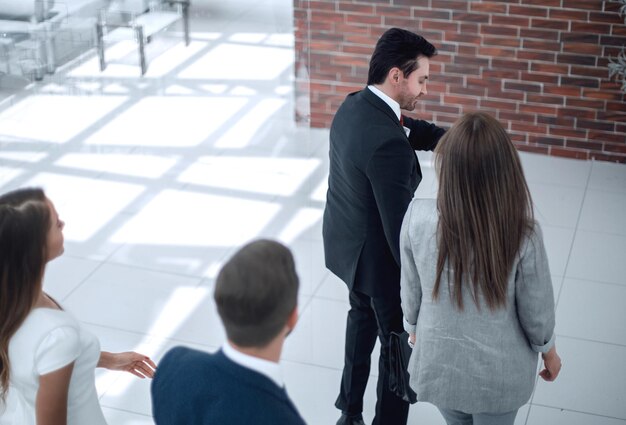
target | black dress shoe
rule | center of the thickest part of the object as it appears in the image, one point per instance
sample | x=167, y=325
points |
x=350, y=420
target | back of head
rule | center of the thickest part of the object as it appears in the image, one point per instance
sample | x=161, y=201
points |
x=397, y=48
x=256, y=292
x=25, y=220
x=484, y=204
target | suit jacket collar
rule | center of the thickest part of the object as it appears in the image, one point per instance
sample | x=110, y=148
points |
x=380, y=104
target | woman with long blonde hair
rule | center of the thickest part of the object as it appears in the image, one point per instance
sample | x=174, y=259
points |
x=47, y=359
x=476, y=291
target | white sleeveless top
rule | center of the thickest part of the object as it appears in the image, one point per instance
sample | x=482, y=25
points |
x=47, y=341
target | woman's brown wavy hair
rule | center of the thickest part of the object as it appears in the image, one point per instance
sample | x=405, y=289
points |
x=485, y=209
x=25, y=220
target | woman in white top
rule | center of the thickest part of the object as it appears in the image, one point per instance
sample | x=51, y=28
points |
x=475, y=283
x=47, y=360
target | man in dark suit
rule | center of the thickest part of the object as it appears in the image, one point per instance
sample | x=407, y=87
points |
x=256, y=295
x=373, y=176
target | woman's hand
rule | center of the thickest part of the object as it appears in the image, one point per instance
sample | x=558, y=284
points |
x=135, y=363
x=552, y=363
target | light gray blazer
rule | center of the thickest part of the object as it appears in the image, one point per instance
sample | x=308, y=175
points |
x=475, y=361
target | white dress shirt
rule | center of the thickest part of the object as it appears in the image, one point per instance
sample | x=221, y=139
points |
x=265, y=367
x=395, y=106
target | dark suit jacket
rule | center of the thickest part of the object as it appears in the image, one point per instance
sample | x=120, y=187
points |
x=191, y=387
x=373, y=176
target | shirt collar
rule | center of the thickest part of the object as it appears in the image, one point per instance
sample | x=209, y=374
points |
x=265, y=367
x=395, y=106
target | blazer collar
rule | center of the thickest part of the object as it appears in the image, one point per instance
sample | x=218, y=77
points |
x=377, y=102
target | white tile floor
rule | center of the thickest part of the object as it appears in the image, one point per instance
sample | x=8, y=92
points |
x=160, y=179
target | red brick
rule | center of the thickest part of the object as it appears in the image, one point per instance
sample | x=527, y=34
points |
x=538, y=109
x=462, y=38
x=431, y=14
x=586, y=144
x=449, y=4
x=543, y=45
x=545, y=140
x=596, y=94
x=618, y=29
x=498, y=104
x=559, y=120
x=609, y=18
x=577, y=59
x=583, y=4
x=577, y=113
x=549, y=24
x=595, y=28
x=356, y=8
x=551, y=100
x=607, y=137
x=569, y=153
x=322, y=5
x=580, y=82
x=553, y=3
x=516, y=116
x=471, y=60
x=525, y=87
x=539, y=34
x=562, y=90
x=588, y=71
x=362, y=50
x=440, y=26
x=462, y=69
x=469, y=28
x=540, y=78
x=498, y=41
x=450, y=79
x=470, y=17
x=395, y=21
x=530, y=128
x=495, y=92
x=488, y=7
x=460, y=100
x=495, y=51
x=608, y=147
x=496, y=30
x=515, y=21
x=572, y=37
x=611, y=116
x=571, y=15
x=501, y=73
x=363, y=19
x=536, y=56
x=549, y=67
x=596, y=125
x=508, y=64
x=520, y=138
x=568, y=132
x=615, y=106
x=528, y=11
x=343, y=28
x=585, y=103
x=467, y=50
x=612, y=40
x=391, y=10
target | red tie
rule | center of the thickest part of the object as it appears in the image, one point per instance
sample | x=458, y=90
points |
x=401, y=120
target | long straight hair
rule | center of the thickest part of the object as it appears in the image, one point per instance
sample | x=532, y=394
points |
x=485, y=210
x=25, y=220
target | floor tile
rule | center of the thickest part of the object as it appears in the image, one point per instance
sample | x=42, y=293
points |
x=598, y=257
x=122, y=417
x=593, y=311
x=540, y=415
x=556, y=205
x=604, y=212
x=592, y=380
x=554, y=170
x=608, y=176
x=558, y=242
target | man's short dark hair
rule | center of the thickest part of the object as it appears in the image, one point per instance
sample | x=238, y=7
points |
x=397, y=48
x=256, y=291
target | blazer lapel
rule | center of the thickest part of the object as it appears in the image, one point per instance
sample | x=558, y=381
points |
x=380, y=104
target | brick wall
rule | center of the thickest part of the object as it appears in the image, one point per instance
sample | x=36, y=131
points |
x=539, y=66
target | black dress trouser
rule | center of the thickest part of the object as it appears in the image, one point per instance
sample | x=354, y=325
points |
x=368, y=318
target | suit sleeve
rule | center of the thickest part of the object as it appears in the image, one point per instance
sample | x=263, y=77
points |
x=389, y=172
x=424, y=136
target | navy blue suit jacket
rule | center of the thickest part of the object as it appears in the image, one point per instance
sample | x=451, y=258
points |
x=192, y=387
x=373, y=176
